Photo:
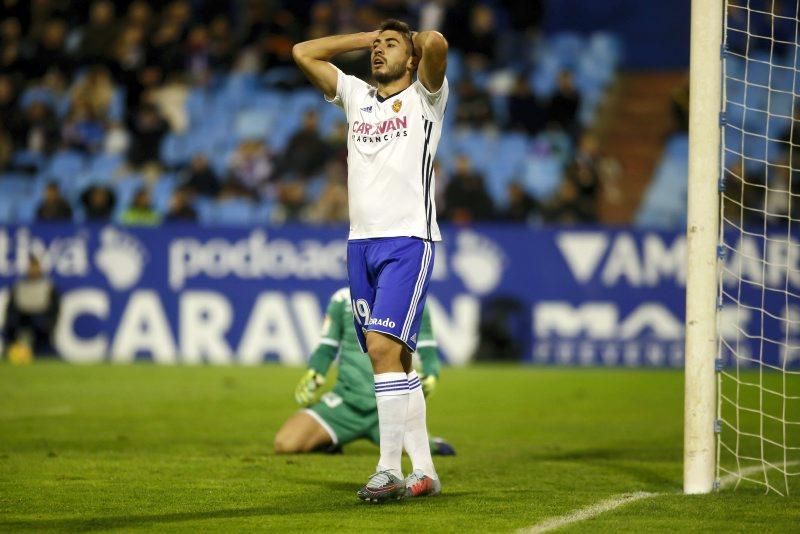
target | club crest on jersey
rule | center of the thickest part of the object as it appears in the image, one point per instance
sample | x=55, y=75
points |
x=396, y=105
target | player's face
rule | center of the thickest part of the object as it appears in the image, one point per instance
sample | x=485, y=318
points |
x=390, y=58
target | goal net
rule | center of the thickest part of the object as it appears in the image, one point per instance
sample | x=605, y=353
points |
x=758, y=308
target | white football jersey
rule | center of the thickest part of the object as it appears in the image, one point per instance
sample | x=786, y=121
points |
x=391, y=144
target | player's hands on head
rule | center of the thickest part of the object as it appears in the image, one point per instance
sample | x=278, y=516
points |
x=429, y=384
x=306, y=391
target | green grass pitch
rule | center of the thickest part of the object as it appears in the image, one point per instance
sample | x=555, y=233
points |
x=113, y=448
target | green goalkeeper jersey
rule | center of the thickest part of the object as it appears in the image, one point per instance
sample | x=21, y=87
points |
x=355, y=383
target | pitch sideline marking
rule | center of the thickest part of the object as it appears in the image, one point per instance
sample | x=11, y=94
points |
x=621, y=500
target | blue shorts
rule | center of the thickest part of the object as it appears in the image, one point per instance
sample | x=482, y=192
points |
x=389, y=279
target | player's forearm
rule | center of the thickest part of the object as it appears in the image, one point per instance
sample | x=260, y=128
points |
x=429, y=357
x=430, y=43
x=325, y=48
x=322, y=358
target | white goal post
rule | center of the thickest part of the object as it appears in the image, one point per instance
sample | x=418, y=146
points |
x=742, y=355
x=705, y=90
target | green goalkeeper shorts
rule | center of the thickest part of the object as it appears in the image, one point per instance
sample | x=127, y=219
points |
x=343, y=422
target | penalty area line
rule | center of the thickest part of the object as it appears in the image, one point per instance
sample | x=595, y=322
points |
x=626, y=498
x=587, y=513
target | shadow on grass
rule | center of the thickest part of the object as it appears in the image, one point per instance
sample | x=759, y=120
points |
x=133, y=521
x=634, y=463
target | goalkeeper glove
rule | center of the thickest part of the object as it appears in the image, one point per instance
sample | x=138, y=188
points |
x=307, y=388
x=428, y=384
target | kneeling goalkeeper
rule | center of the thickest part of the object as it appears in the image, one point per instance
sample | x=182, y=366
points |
x=348, y=412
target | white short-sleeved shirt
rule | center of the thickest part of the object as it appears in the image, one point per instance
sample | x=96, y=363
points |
x=391, y=145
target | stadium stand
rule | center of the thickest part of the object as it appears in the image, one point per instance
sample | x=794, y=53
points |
x=125, y=94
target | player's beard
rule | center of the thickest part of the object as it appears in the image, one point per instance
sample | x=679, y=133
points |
x=390, y=75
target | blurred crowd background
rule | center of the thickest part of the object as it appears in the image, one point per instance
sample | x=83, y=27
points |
x=141, y=112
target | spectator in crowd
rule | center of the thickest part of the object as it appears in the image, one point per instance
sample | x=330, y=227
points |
x=221, y=44
x=251, y=167
x=199, y=177
x=10, y=116
x=565, y=208
x=53, y=207
x=39, y=132
x=584, y=174
x=50, y=50
x=98, y=203
x=148, y=128
x=98, y=35
x=32, y=311
x=6, y=150
x=306, y=151
x=81, y=131
x=522, y=207
x=198, y=55
x=291, y=201
x=466, y=198
x=154, y=53
x=331, y=206
x=577, y=200
x=474, y=107
x=180, y=208
x=565, y=103
x=140, y=212
x=479, y=48
x=96, y=91
x=524, y=110
x=337, y=142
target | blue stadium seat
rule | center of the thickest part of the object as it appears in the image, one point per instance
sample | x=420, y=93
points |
x=198, y=103
x=544, y=78
x=255, y=123
x=162, y=192
x=281, y=76
x=16, y=184
x=204, y=207
x=174, y=150
x=28, y=158
x=263, y=212
x=329, y=117
x=455, y=67
x=36, y=93
x=783, y=79
x=25, y=208
x=758, y=68
x=664, y=204
x=104, y=165
x=116, y=110
x=541, y=175
x=125, y=189
x=303, y=100
x=734, y=90
x=7, y=212
x=237, y=89
x=65, y=164
x=233, y=212
x=566, y=47
x=605, y=47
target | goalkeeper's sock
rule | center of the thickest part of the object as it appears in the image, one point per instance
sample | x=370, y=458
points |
x=391, y=393
x=415, y=439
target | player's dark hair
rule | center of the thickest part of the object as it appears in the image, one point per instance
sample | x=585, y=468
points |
x=400, y=27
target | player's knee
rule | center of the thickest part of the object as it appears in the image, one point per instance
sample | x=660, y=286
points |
x=285, y=443
x=382, y=349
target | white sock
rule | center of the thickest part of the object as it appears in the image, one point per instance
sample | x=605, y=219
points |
x=415, y=439
x=391, y=393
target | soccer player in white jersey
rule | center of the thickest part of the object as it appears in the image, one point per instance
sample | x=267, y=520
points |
x=394, y=129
